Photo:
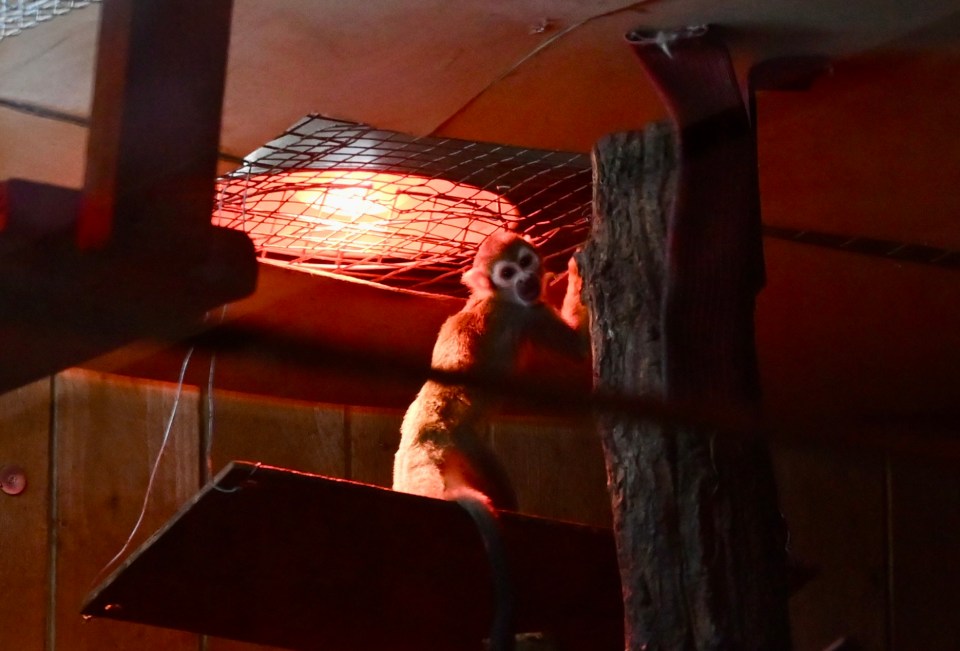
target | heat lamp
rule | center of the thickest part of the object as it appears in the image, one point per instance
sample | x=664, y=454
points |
x=339, y=197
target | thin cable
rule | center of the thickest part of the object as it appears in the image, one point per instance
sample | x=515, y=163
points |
x=208, y=446
x=153, y=471
x=208, y=430
x=633, y=6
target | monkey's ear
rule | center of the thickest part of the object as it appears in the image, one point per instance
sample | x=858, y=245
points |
x=477, y=280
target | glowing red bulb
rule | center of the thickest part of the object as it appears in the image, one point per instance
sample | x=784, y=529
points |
x=322, y=216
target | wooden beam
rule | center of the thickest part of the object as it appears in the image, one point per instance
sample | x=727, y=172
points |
x=155, y=124
x=60, y=306
x=135, y=254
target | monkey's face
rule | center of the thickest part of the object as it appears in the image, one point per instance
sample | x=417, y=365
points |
x=508, y=266
x=516, y=274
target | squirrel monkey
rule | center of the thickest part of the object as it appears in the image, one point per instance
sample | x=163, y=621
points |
x=441, y=454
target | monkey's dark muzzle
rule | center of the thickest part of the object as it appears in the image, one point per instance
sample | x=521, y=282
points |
x=528, y=289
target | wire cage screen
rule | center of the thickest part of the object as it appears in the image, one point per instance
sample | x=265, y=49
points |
x=18, y=15
x=400, y=210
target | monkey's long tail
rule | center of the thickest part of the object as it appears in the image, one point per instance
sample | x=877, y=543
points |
x=502, y=628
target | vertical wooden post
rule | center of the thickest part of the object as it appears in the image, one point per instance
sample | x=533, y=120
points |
x=670, y=274
x=155, y=126
x=623, y=268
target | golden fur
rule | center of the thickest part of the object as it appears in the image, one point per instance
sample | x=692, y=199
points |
x=441, y=453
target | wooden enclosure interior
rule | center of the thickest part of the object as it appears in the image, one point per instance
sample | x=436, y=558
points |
x=865, y=346
x=88, y=440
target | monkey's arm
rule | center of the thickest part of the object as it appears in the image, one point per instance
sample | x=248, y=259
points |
x=458, y=343
x=552, y=330
x=568, y=331
x=573, y=311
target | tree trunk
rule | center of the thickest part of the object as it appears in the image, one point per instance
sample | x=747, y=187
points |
x=670, y=274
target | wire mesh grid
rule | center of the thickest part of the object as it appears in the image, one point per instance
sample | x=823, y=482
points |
x=399, y=210
x=18, y=15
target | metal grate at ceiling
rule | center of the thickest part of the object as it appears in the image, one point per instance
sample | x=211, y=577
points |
x=18, y=15
x=410, y=212
x=399, y=210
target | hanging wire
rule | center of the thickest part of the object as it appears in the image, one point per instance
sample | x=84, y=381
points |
x=208, y=445
x=542, y=27
x=154, y=469
x=210, y=407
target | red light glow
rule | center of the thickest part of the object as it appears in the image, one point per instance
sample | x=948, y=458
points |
x=319, y=217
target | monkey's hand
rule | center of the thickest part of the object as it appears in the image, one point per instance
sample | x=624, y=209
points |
x=573, y=311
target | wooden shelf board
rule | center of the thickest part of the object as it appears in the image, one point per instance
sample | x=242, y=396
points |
x=300, y=561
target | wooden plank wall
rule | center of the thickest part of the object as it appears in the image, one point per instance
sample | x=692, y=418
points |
x=833, y=504
x=881, y=531
x=24, y=519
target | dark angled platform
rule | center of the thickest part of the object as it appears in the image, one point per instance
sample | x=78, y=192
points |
x=283, y=558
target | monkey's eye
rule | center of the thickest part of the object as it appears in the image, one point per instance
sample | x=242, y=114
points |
x=504, y=273
x=525, y=260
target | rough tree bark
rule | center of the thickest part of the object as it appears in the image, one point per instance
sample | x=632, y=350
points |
x=670, y=273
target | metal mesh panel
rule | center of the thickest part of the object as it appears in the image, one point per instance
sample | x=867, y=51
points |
x=398, y=210
x=18, y=15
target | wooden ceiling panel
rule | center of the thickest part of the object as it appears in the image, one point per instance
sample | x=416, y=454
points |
x=51, y=65
x=870, y=151
x=42, y=150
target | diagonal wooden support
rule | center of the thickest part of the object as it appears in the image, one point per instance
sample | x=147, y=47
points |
x=134, y=255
